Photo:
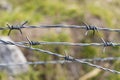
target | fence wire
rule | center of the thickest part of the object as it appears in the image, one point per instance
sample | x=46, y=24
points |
x=86, y=27
x=32, y=43
x=66, y=59
x=61, y=61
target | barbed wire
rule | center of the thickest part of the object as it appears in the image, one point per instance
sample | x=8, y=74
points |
x=32, y=43
x=36, y=63
x=60, y=61
x=29, y=44
x=68, y=58
x=86, y=27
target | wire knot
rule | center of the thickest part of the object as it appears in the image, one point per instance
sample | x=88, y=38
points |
x=89, y=27
x=17, y=27
x=69, y=58
x=33, y=43
x=108, y=44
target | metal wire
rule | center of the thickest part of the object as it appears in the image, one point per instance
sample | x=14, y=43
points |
x=69, y=58
x=60, y=61
x=36, y=63
x=59, y=43
x=66, y=58
x=86, y=27
x=72, y=26
x=102, y=59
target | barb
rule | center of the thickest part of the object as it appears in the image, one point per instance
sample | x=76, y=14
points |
x=31, y=42
x=89, y=27
x=16, y=27
x=106, y=44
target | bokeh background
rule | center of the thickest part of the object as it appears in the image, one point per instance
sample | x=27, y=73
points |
x=102, y=13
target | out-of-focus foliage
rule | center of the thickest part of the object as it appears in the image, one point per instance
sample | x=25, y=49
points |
x=103, y=12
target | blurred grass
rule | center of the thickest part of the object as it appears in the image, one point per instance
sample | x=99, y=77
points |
x=62, y=11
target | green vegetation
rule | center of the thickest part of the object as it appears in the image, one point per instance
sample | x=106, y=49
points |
x=105, y=13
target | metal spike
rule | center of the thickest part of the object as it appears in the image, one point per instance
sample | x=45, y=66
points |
x=24, y=23
x=20, y=31
x=9, y=32
x=29, y=41
x=104, y=47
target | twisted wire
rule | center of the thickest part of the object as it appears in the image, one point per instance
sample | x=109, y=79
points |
x=60, y=61
x=69, y=58
x=36, y=63
x=86, y=27
x=66, y=58
x=59, y=43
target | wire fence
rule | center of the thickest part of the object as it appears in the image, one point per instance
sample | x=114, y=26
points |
x=65, y=59
x=62, y=61
x=85, y=26
x=59, y=43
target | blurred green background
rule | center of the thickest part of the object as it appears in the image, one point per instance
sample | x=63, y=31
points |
x=102, y=13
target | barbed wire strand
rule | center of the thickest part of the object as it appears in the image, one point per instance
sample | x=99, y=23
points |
x=59, y=61
x=86, y=27
x=31, y=43
x=59, y=43
x=36, y=63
